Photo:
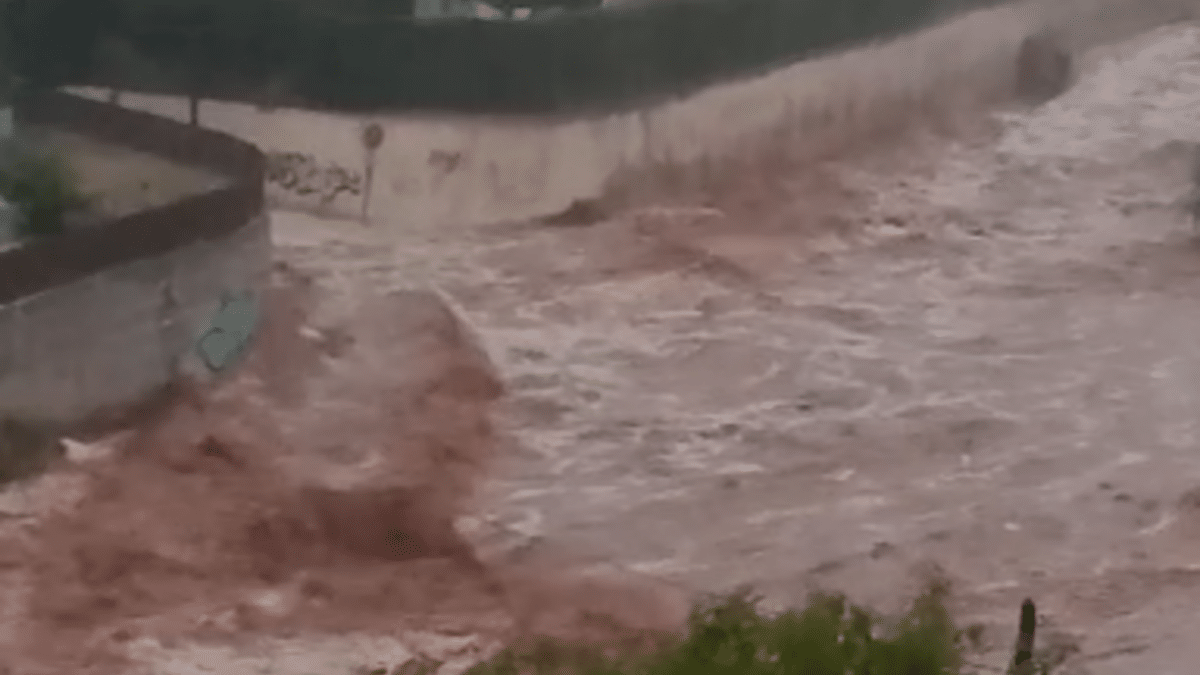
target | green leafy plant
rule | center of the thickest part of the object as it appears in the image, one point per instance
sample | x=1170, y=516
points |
x=44, y=187
x=729, y=636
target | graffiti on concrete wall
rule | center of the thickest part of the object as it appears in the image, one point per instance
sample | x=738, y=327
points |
x=302, y=175
x=230, y=333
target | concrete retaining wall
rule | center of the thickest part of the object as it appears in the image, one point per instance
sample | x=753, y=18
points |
x=117, y=337
x=96, y=321
x=456, y=171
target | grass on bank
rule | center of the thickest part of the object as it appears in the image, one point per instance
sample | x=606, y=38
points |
x=730, y=636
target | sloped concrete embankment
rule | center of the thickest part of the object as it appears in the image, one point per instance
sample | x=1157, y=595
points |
x=445, y=171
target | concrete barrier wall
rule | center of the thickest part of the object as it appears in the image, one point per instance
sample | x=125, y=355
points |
x=454, y=171
x=117, y=337
x=96, y=321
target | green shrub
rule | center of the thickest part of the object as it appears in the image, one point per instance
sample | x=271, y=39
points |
x=44, y=188
x=730, y=637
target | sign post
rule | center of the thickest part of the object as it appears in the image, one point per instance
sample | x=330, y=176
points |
x=372, y=138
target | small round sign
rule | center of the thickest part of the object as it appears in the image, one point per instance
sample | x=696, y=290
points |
x=372, y=136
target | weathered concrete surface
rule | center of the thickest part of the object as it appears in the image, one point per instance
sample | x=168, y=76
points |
x=450, y=172
x=114, y=337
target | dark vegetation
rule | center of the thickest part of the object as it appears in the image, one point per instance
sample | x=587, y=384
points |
x=371, y=54
x=42, y=185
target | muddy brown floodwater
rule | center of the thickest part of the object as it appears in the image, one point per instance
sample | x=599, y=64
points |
x=970, y=358
x=974, y=357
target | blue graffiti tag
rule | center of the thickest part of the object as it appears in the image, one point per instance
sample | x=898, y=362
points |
x=232, y=329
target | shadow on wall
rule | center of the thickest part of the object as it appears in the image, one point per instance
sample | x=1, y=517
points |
x=452, y=171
